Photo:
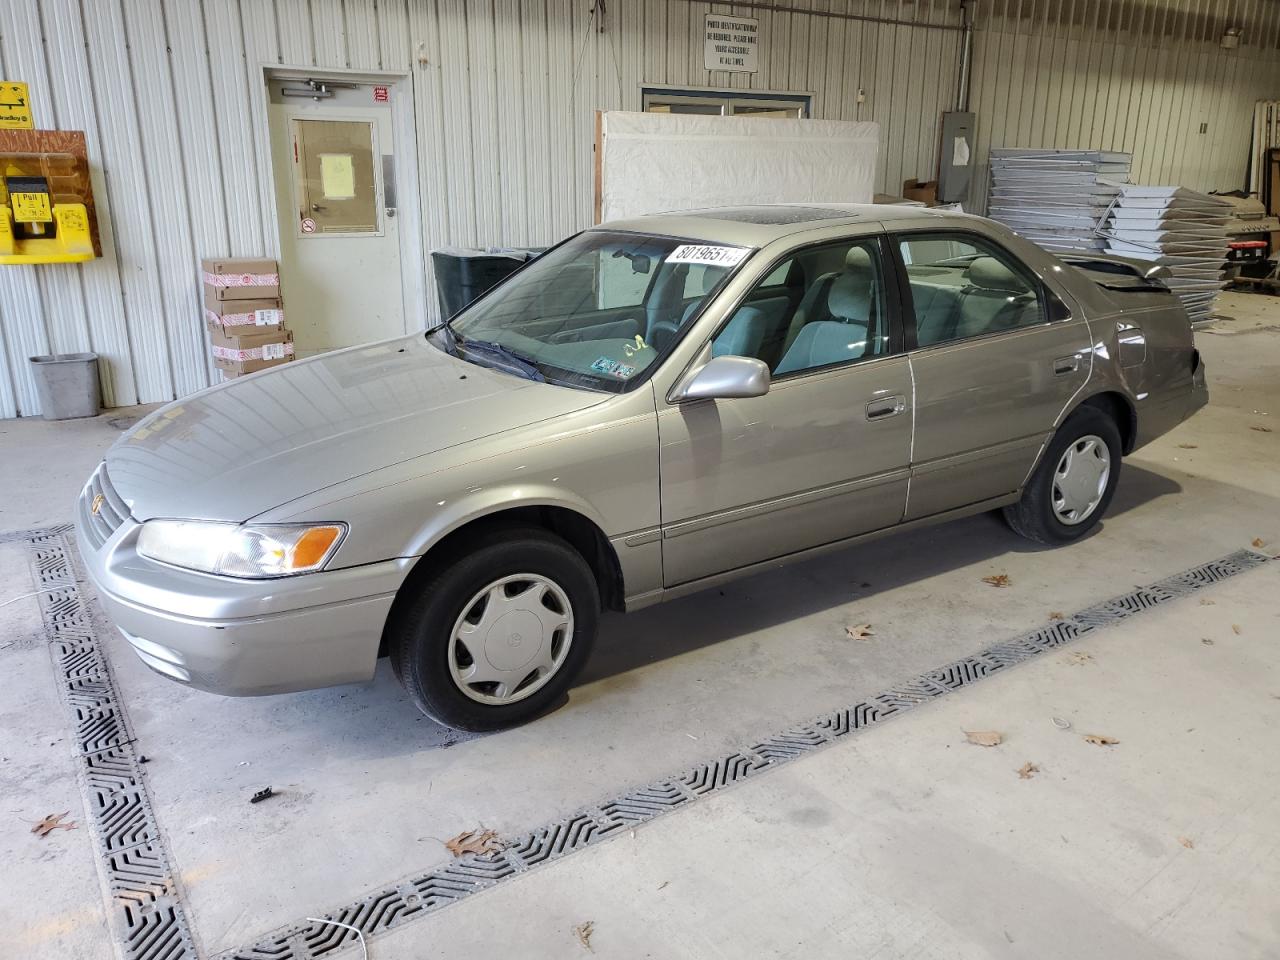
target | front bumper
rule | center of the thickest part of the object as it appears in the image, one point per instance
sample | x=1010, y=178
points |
x=241, y=637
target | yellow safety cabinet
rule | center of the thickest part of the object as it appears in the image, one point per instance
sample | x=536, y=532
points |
x=46, y=201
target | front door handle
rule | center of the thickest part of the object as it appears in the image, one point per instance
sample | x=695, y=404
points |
x=1065, y=365
x=885, y=407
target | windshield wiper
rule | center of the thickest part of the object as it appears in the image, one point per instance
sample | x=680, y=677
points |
x=522, y=364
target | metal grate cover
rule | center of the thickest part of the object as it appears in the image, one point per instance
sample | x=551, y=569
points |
x=426, y=892
x=145, y=905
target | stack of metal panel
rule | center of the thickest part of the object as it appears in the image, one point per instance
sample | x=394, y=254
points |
x=1056, y=198
x=1180, y=229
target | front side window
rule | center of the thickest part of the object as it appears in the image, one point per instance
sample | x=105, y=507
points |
x=962, y=287
x=822, y=306
x=597, y=311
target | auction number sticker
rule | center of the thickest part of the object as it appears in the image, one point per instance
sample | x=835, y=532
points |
x=709, y=255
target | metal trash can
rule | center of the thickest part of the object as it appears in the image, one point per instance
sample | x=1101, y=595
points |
x=462, y=275
x=67, y=385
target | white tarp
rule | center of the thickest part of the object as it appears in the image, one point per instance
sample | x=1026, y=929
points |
x=659, y=162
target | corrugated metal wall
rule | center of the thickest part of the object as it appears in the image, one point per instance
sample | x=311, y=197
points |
x=1131, y=75
x=169, y=94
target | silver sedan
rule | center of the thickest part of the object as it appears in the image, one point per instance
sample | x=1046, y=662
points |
x=649, y=408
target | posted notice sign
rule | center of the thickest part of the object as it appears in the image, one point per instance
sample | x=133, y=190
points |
x=732, y=43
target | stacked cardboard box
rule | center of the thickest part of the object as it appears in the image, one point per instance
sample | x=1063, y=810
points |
x=245, y=315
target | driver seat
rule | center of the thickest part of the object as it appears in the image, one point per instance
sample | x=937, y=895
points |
x=851, y=305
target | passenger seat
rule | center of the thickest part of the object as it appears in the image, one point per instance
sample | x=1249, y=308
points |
x=994, y=298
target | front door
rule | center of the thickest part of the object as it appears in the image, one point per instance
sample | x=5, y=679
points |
x=824, y=454
x=993, y=369
x=334, y=164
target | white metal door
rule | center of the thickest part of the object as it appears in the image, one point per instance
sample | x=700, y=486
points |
x=334, y=163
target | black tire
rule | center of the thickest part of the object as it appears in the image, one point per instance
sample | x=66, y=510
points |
x=419, y=636
x=1033, y=516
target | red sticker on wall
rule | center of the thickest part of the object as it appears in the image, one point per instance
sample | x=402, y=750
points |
x=381, y=95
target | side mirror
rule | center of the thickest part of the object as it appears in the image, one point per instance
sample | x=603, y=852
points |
x=725, y=378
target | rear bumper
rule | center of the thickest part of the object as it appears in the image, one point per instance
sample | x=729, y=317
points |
x=243, y=637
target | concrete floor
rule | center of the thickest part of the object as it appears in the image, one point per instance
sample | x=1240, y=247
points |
x=903, y=842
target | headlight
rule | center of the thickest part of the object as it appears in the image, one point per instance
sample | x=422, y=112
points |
x=235, y=550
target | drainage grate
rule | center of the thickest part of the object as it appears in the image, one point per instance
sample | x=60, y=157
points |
x=145, y=907
x=427, y=892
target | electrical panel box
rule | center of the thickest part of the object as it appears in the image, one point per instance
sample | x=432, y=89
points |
x=955, y=167
x=46, y=201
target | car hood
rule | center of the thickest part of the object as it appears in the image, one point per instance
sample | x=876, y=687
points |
x=243, y=447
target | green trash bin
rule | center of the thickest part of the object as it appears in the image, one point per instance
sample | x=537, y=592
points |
x=67, y=385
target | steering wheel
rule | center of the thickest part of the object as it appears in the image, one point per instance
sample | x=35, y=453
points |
x=662, y=334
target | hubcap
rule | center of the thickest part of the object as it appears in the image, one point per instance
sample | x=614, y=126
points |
x=511, y=638
x=1081, y=479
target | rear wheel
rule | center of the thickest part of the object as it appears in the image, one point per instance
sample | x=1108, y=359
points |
x=1073, y=483
x=495, y=636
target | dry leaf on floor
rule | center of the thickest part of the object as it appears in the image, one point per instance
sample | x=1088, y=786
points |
x=52, y=822
x=1079, y=658
x=1258, y=542
x=1188, y=446
x=1235, y=628
x=998, y=580
x=1206, y=602
x=1057, y=615
x=1027, y=771
x=474, y=841
x=861, y=632
x=1099, y=740
x=984, y=738
x=1260, y=429
x=1186, y=842
x=1206, y=641
x=583, y=932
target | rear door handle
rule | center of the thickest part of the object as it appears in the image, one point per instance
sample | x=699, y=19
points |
x=886, y=407
x=1065, y=365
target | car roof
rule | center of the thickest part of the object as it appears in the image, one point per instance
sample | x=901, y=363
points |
x=761, y=224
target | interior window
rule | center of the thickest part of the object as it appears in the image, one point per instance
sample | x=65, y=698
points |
x=821, y=307
x=965, y=287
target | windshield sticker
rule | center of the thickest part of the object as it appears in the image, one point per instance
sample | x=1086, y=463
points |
x=622, y=371
x=605, y=365
x=712, y=256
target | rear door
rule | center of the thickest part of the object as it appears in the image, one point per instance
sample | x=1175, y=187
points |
x=996, y=358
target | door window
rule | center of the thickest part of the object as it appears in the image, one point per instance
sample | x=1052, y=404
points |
x=821, y=307
x=962, y=286
x=335, y=184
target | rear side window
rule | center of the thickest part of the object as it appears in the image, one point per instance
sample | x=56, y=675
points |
x=963, y=287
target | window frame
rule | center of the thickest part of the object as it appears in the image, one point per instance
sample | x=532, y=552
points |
x=892, y=295
x=1047, y=296
x=726, y=98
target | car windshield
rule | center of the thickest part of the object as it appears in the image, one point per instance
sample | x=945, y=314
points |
x=597, y=311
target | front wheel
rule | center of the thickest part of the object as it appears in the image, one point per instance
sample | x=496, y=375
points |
x=496, y=636
x=1073, y=483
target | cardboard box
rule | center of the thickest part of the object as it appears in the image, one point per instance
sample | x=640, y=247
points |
x=239, y=279
x=925, y=192
x=246, y=338
x=245, y=313
x=230, y=369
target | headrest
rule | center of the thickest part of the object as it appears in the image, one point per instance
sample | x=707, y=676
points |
x=850, y=296
x=990, y=274
x=857, y=259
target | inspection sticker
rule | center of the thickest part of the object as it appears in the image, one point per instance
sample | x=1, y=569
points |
x=712, y=256
x=605, y=365
x=622, y=371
